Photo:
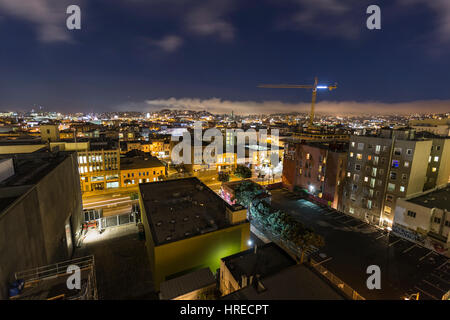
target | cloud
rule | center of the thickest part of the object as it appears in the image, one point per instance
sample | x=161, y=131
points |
x=441, y=9
x=326, y=17
x=169, y=43
x=216, y=105
x=208, y=19
x=47, y=15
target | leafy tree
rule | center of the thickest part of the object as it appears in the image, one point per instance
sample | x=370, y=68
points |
x=243, y=172
x=246, y=192
x=223, y=177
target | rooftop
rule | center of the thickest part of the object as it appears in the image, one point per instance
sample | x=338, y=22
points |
x=439, y=198
x=187, y=283
x=182, y=208
x=28, y=170
x=297, y=282
x=140, y=163
x=267, y=260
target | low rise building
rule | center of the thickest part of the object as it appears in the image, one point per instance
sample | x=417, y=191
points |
x=141, y=169
x=425, y=217
x=241, y=269
x=196, y=285
x=188, y=227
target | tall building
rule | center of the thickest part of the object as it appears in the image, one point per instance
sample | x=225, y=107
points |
x=382, y=168
x=40, y=211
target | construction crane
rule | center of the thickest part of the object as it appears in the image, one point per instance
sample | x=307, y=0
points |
x=314, y=88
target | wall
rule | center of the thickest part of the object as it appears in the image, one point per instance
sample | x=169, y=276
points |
x=32, y=229
x=197, y=252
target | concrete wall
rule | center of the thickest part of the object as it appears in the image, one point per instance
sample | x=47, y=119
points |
x=6, y=169
x=32, y=229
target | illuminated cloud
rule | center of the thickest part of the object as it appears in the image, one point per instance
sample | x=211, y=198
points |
x=168, y=43
x=216, y=105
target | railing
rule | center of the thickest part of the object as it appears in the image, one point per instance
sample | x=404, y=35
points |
x=54, y=270
x=296, y=251
x=345, y=288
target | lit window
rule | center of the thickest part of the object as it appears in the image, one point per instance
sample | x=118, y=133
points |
x=395, y=163
x=391, y=186
x=359, y=156
x=433, y=169
x=406, y=164
x=351, y=154
x=366, y=179
x=402, y=189
x=436, y=159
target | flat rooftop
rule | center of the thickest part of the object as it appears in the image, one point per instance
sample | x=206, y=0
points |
x=182, y=208
x=140, y=163
x=187, y=283
x=436, y=199
x=293, y=283
x=267, y=260
x=28, y=170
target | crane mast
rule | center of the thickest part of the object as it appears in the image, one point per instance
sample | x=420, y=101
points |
x=314, y=88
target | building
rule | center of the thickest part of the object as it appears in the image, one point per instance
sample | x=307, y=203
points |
x=196, y=285
x=189, y=227
x=296, y=282
x=40, y=211
x=241, y=269
x=49, y=133
x=137, y=170
x=440, y=127
x=382, y=168
x=99, y=169
x=425, y=218
x=317, y=167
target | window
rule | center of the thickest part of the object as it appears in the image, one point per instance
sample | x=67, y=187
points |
x=369, y=204
x=369, y=157
x=348, y=174
x=360, y=146
x=353, y=144
x=387, y=210
x=409, y=152
x=397, y=151
x=447, y=223
x=374, y=172
x=404, y=176
x=356, y=177
x=351, y=154
x=402, y=189
x=308, y=156
x=377, y=149
x=357, y=167
x=359, y=156
x=393, y=175
x=372, y=183
x=437, y=220
x=394, y=163
x=351, y=210
x=406, y=164
x=433, y=169
x=411, y=214
x=366, y=179
x=436, y=159
x=375, y=160
x=391, y=187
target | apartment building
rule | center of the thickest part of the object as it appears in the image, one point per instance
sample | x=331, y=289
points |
x=317, y=167
x=382, y=168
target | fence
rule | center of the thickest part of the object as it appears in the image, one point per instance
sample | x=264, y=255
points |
x=297, y=252
x=345, y=288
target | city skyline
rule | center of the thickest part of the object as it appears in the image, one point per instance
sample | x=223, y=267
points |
x=212, y=56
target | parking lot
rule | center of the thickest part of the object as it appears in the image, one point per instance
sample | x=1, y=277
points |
x=352, y=245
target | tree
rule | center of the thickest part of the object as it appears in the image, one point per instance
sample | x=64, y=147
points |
x=246, y=192
x=223, y=176
x=243, y=172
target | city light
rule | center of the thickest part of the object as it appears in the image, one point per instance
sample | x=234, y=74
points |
x=322, y=87
x=250, y=243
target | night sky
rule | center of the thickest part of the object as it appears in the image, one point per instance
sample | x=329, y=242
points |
x=211, y=54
